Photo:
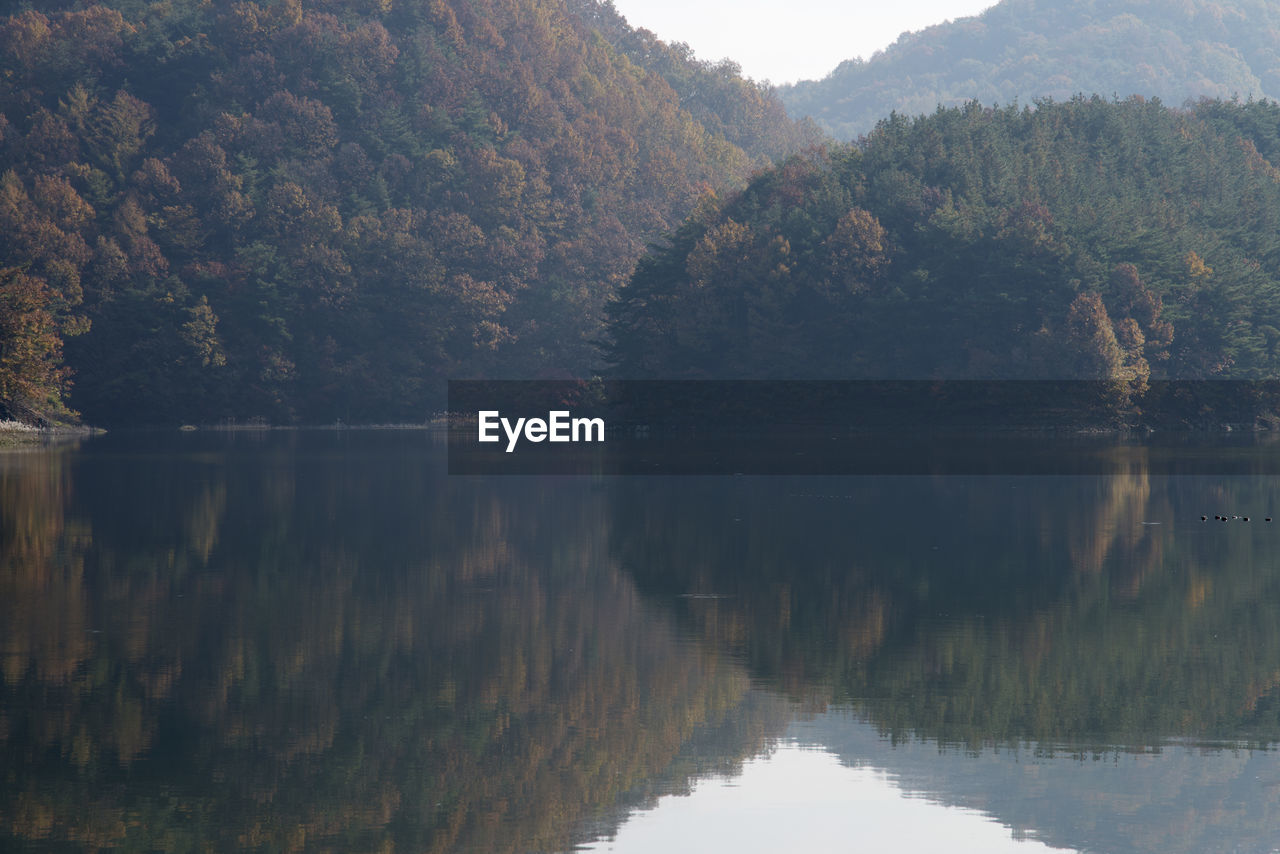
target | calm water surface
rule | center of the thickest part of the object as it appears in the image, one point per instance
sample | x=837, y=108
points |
x=321, y=641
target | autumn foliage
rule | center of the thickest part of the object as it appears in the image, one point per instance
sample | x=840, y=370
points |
x=323, y=210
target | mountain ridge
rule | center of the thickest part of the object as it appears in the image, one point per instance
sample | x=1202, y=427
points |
x=1019, y=51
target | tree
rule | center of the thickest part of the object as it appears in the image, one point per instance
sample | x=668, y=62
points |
x=33, y=380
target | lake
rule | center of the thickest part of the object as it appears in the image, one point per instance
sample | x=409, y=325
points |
x=321, y=640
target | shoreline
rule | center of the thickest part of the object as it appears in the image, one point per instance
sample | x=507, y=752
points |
x=16, y=434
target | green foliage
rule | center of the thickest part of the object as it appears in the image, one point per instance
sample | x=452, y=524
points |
x=1097, y=240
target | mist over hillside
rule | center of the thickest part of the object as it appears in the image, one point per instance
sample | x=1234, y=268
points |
x=1021, y=50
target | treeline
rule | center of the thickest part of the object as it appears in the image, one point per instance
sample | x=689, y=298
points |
x=1023, y=50
x=305, y=212
x=1091, y=239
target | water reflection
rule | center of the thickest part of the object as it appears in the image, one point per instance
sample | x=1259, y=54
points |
x=1176, y=797
x=981, y=610
x=322, y=642
x=834, y=782
x=319, y=640
x=1080, y=658
x=802, y=798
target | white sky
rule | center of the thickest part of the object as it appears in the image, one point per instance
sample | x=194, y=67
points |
x=788, y=40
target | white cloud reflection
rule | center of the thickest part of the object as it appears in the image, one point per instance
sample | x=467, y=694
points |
x=803, y=800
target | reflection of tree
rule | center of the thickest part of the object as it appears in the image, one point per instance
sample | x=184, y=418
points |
x=1109, y=519
x=38, y=599
x=982, y=609
x=300, y=646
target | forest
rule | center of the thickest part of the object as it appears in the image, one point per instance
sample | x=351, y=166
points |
x=1119, y=242
x=1024, y=50
x=309, y=212
x=314, y=213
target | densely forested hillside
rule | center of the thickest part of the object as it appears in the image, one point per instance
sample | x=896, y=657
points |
x=1027, y=49
x=322, y=209
x=1080, y=240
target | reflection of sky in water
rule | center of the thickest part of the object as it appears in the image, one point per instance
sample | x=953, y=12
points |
x=834, y=783
x=803, y=799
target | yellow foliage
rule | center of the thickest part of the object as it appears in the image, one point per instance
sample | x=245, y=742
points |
x=1197, y=267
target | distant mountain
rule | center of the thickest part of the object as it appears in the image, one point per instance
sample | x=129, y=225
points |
x=320, y=210
x=1022, y=50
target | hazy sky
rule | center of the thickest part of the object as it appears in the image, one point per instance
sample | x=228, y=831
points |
x=788, y=40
